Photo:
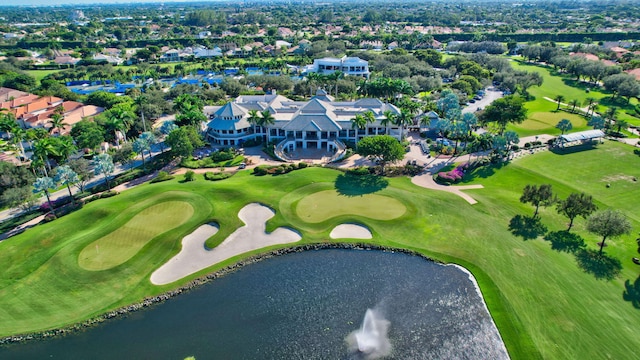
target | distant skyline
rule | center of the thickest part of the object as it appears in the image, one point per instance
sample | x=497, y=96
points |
x=89, y=2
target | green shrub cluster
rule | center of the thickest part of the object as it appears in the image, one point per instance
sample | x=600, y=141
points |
x=103, y=195
x=190, y=176
x=223, y=155
x=162, y=176
x=215, y=176
x=359, y=171
x=277, y=169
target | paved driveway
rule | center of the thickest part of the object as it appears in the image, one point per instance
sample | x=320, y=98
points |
x=490, y=95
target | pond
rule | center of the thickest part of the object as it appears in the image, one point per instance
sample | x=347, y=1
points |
x=299, y=306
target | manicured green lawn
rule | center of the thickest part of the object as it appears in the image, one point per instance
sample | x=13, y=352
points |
x=545, y=123
x=40, y=74
x=544, y=305
x=327, y=204
x=555, y=84
x=125, y=241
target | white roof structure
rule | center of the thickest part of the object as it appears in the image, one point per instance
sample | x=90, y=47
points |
x=582, y=135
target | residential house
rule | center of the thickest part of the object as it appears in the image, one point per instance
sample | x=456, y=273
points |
x=281, y=44
x=353, y=66
x=203, y=52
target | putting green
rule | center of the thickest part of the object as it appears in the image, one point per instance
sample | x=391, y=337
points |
x=121, y=245
x=544, y=120
x=327, y=204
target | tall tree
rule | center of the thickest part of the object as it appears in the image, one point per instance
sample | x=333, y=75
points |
x=538, y=196
x=43, y=185
x=87, y=134
x=509, y=109
x=576, y=204
x=81, y=166
x=564, y=125
x=57, y=120
x=559, y=99
x=103, y=164
x=597, y=122
x=573, y=103
x=608, y=223
x=67, y=177
x=254, y=119
x=140, y=101
x=381, y=148
x=359, y=122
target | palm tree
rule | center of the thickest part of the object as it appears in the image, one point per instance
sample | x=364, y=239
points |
x=389, y=118
x=511, y=137
x=103, y=164
x=403, y=119
x=610, y=115
x=593, y=107
x=359, y=122
x=41, y=150
x=597, y=122
x=119, y=120
x=564, y=125
x=57, y=122
x=588, y=102
x=470, y=120
x=140, y=101
x=143, y=143
x=266, y=119
x=43, y=185
x=559, y=99
x=313, y=78
x=573, y=103
x=621, y=124
x=254, y=119
x=66, y=176
x=16, y=134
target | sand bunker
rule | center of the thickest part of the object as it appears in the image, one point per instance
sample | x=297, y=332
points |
x=350, y=231
x=195, y=256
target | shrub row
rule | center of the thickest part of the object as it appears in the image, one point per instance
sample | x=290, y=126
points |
x=277, y=169
x=162, y=176
x=215, y=176
x=103, y=195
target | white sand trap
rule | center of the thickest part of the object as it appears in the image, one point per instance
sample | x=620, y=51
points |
x=350, y=231
x=195, y=256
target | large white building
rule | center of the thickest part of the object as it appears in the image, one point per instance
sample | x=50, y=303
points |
x=352, y=66
x=320, y=123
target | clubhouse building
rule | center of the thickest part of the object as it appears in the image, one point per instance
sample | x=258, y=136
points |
x=320, y=123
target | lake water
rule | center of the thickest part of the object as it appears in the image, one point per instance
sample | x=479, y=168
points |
x=298, y=306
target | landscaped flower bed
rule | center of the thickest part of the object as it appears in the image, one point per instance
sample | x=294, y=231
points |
x=452, y=176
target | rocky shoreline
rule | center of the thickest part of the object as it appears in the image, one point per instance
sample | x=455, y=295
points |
x=147, y=302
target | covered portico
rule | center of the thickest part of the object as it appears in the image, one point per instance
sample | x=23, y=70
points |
x=578, y=138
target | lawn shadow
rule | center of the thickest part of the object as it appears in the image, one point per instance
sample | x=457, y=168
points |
x=357, y=185
x=565, y=241
x=483, y=172
x=577, y=84
x=632, y=292
x=528, y=228
x=599, y=265
x=574, y=149
x=618, y=102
